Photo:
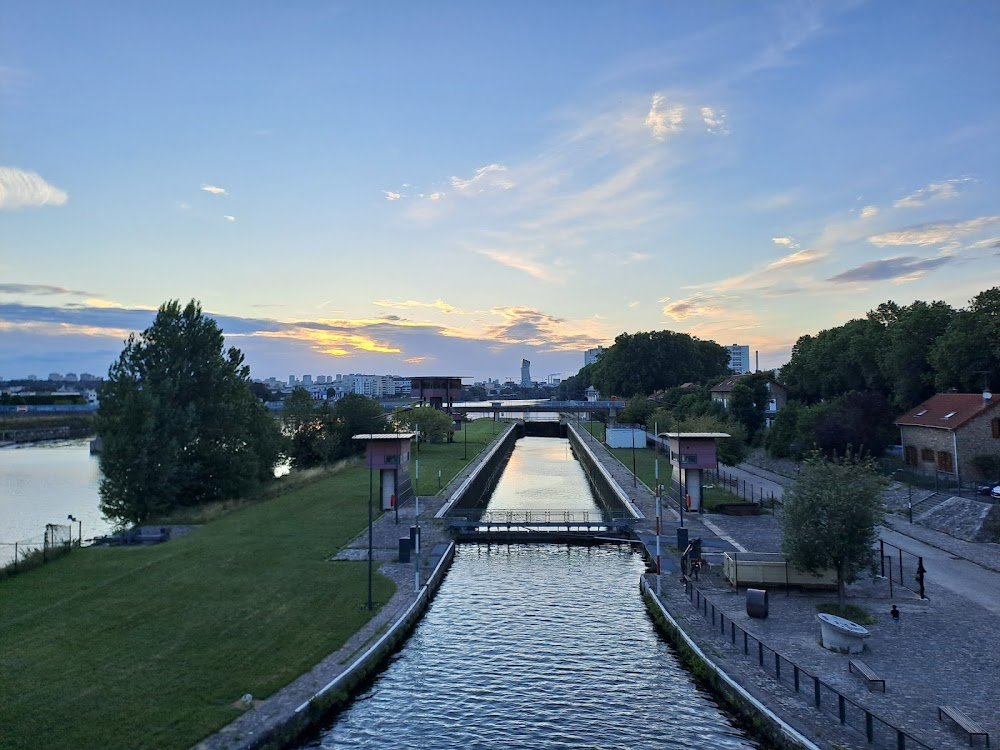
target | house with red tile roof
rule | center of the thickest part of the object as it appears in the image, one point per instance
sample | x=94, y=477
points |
x=948, y=430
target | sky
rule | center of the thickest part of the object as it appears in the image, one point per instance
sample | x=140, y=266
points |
x=445, y=188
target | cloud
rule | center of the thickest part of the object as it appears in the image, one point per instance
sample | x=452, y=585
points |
x=931, y=234
x=520, y=262
x=40, y=289
x=714, y=123
x=934, y=192
x=900, y=270
x=482, y=179
x=22, y=189
x=786, y=241
x=415, y=360
x=530, y=327
x=436, y=196
x=800, y=258
x=662, y=123
x=698, y=305
x=391, y=196
x=439, y=305
x=229, y=217
x=869, y=212
x=214, y=190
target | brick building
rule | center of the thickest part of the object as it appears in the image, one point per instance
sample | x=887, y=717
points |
x=948, y=430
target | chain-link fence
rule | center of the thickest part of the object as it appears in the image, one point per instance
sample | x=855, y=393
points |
x=16, y=557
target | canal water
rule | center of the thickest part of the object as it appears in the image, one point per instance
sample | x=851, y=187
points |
x=543, y=646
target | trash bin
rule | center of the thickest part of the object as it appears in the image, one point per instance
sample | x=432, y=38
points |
x=414, y=533
x=682, y=538
x=757, y=603
x=404, y=549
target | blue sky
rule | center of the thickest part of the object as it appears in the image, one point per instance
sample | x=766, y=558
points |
x=447, y=187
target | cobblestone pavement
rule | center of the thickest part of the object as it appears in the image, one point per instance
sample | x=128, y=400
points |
x=944, y=651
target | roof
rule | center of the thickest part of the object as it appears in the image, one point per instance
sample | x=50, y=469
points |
x=384, y=436
x=726, y=385
x=948, y=411
x=695, y=434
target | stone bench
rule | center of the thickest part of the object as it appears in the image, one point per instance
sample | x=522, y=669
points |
x=965, y=722
x=856, y=665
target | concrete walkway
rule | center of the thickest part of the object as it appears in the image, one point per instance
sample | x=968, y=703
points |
x=943, y=652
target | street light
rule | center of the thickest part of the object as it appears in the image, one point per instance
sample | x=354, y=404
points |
x=909, y=494
x=79, y=541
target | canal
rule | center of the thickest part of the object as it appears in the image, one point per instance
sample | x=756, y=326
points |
x=536, y=645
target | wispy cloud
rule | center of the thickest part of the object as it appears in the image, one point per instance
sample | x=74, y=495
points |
x=785, y=241
x=799, y=258
x=439, y=305
x=899, y=270
x=715, y=122
x=931, y=234
x=22, y=189
x=436, y=196
x=936, y=191
x=662, y=121
x=391, y=196
x=489, y=177
x=214, y=189
x=41, y=290
x=697, y=305
x=869, y=212
x=520, y=262
x=229, y=217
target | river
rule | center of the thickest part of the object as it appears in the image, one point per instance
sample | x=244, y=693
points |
x=43, y=483
x=543, y=646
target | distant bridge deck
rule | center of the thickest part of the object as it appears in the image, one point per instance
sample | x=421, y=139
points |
x=557, y=406
x=540, y=523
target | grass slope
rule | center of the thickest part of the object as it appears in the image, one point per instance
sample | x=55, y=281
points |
x=152, y=647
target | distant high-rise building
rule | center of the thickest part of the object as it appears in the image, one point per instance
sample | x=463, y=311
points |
x=739, y=359
x=525, y=373
x=590, y=356
x=307, y=380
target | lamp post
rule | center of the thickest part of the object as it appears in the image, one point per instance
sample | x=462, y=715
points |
x=909, y=494
x=79, y=541
x=635, y=479
x=465, y=429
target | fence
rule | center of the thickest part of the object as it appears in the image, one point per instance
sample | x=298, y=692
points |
x=29, y=553
x=740, y=487
x=905, y=568
x=878, y=731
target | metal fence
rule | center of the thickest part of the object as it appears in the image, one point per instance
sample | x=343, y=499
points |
x=902, y=568
x=740, y=487
x=878, y=731
x=15, y=557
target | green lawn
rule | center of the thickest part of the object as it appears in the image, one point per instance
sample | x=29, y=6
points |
x=152, y=647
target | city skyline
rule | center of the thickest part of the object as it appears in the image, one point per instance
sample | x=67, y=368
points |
x=455, y=187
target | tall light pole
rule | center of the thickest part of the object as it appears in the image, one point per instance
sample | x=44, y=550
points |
x=79, y=541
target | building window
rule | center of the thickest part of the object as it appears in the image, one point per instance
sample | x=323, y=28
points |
x=686, y=459
x=910, y=455
x=995, y=424
x=926, y=454
x=944, y=461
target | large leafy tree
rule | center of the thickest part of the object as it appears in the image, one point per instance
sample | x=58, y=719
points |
x=178, y=421
x=433, y=424
x=832, y=513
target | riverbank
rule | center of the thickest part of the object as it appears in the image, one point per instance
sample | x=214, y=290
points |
x=167, y=639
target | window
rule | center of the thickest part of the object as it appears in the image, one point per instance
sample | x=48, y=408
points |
x=995, y=424
x=949, y=415
x=944, y=461
x=910, y=455
x=920, y=413
x=686, y=459
x=926, y=454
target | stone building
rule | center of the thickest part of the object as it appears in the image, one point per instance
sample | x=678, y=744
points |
x=945, y=432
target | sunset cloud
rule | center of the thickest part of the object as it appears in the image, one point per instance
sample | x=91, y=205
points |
x=698, y=305
x=214, y=189
x=902, y=269
x=490, y=176
x=391, y=196
x=936, y=191
x=661, y=121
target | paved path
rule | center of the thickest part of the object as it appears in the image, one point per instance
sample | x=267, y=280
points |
x=945, y=650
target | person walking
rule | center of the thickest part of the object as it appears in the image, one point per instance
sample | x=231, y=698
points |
x=894, y=612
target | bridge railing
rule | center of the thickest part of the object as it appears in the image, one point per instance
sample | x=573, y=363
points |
x=529, y=517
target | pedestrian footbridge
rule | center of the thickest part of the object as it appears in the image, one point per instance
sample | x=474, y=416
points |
x=540, y=524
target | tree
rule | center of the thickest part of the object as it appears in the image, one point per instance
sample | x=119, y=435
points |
x=433, y=424
x=637, y=410
x=832, y=513
x=298, y=410
x=746, y=405
x=178, y=421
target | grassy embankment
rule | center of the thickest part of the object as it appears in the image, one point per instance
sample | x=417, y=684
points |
x=152, y=647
